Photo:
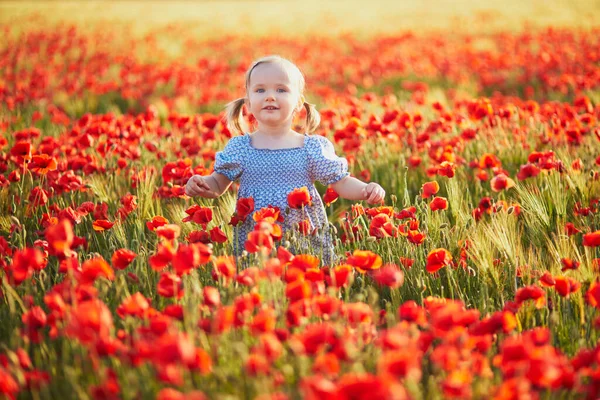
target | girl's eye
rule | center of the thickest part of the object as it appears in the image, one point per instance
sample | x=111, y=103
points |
x=281, y=90
x=260, y=90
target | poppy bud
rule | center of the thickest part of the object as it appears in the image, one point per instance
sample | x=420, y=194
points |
x=371, y=239
x=286, y=244
x=333, y=228
x=443, y=226
x=15, y=220
x=394, y=198
x=510, y=210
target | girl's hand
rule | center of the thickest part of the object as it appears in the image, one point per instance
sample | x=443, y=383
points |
x=198, y=186
x=373, y=193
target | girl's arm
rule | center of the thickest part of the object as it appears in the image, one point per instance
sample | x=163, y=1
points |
x=353, y=189
x=211, y=186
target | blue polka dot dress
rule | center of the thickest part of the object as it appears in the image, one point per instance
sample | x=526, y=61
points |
x=269, y=175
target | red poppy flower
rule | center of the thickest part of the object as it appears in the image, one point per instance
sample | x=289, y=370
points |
x=407, y=262
x=414, y=161
x=199, y=237
x=122, y=258
x=38, y=196
x=532, y=292
x=299, y=198
x=528, y=171
x=199, y=215
x=501, y=182
x=264, y=321
x=305, y=262
x=22, y=151
x=90, y=321
x=437, y=259
x=298, y=289
x=217, y=235
x=33, y=321
x=330, y=196
x=257, y=240
x=225, y=266
x=95, y=268
x=569, y=264
x=501, y=321
x=163, y=256
x=409, y=212
x=318, y=387
x=429, y=189
x=364, y=260
x=42, y=164
x=60, y=237
x=447, y=169
x=284, y=255
x=570, y=229
x=189, y=257
x=211, y=296
x=381, y=226
x=156, y=222
x=168, y=232
x=592, y=239
x=304, y=227
x=340, y=275
x=547, y=279
x=389, y=275
x=367, y=386
x=269, y=214
x=564, y=286
x=489, y=161
x=416, y=237
x=170, y=285
x=593, y=295
x=101, y=225
x=135, y=305
x=438, y=203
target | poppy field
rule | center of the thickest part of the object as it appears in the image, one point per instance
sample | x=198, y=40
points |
x=477, y=278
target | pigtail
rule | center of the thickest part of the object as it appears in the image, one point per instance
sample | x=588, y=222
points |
x=313, y=118
x=233, y=116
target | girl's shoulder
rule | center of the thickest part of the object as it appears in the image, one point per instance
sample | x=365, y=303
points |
x=316, y=140
x=317, y=144
x=237, y=142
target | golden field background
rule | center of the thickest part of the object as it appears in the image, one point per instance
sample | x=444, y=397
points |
x=215, y=18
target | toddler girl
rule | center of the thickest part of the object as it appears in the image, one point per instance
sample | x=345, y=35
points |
x=274, y=160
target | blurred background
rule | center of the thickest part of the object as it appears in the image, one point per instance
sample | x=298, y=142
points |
x=190, y=56
x=312, y=17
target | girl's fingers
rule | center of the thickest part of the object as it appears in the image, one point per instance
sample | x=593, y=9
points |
x=373, y=197
x=204, y=185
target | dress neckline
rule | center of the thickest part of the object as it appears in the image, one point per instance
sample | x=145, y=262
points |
x=249, y=141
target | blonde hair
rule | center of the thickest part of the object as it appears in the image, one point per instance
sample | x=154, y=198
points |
x=233, y=110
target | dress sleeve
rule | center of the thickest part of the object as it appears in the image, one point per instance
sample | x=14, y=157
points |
x=229, y=162
x=325, y=166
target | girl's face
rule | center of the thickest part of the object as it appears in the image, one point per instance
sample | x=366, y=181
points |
x=272, y=96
